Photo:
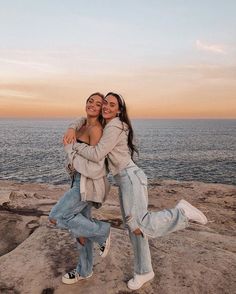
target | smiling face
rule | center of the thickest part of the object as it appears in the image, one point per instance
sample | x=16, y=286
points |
x=94, y=106
x=110, y=108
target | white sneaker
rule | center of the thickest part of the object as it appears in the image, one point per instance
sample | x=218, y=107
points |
x=139, y=280
x=73, y=277
x=191, y=212
x=104, y=248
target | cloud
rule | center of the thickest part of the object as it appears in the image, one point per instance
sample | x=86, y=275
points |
x=44, y=67
x=209, y=71
x=214, y=48
x=14, y=93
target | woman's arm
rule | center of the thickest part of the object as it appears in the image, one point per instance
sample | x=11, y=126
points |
x=96, y=153
x=77, y=124
x=93, y=170
x=70, y=135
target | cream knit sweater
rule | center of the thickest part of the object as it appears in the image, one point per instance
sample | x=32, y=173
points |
x=113, y=145
x=94, y=185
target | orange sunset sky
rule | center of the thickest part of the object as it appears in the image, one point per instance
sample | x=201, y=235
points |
x=169, y=59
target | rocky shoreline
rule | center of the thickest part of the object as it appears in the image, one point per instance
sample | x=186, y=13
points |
x=200, y=259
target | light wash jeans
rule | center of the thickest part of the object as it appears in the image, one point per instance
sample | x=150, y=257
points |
x=132, y=184
x=75, y=215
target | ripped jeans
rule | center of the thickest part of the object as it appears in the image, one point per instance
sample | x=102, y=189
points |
x=132, y=183
x=74, y=215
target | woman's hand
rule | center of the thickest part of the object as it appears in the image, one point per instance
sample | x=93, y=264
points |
x=69, y=137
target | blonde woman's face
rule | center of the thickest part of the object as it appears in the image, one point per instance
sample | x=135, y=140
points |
x=110, y=108
x=94, y=106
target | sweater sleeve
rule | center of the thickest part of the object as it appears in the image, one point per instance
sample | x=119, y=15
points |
x=89, y=169
x=107, y=142
x=77, y=124
x=70, y=152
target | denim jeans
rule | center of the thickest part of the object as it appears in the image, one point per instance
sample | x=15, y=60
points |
x=74, y=215
x=132, y=184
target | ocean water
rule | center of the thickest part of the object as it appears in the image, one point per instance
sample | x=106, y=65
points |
x=200, y=150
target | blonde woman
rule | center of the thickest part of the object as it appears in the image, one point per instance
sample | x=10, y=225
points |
x=89, y=188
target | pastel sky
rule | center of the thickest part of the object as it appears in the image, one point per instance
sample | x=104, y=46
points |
x=168, y=58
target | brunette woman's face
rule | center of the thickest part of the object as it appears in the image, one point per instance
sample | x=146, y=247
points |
x=94, y=106
x=110, y=108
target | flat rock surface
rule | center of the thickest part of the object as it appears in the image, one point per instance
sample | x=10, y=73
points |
x=199, y=259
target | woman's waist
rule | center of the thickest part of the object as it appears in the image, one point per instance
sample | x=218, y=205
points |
x=76, y=177
x=118, y=163
x=130, y=167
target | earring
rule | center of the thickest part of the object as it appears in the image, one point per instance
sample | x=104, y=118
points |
x=118, y=114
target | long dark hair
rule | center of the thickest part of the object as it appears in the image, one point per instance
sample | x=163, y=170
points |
x=100, y=118
x=123, y=116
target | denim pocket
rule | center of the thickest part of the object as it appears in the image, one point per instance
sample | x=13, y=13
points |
x=141, y=176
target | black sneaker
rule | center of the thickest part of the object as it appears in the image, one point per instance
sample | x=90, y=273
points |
x=73, y=277
x=104, y=248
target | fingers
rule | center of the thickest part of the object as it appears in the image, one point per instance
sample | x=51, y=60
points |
x=65, y=141
x=69, y=139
